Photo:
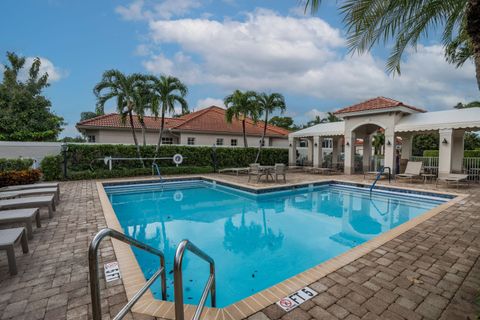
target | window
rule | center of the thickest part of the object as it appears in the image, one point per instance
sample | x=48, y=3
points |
x=190, y=141
x=219, y=141
x=303, y=144
x=327, y=143
x=233, y=142
x=167, y=140
x=91, y=139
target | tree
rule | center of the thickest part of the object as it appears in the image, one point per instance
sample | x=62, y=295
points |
x=73, y=139
x=422, y=142
x=471, y=141
x=282, y=122
x=331, y=117
x=241, y=105
x=168, y=91
x=115, y=84
x=378, y=141
x=145, y=98
x=267, y=104
x=88, y=115
x=473, y=104
x=406, y=21
x=25, y=113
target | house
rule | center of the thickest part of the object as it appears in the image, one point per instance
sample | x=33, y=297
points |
x=204, y=127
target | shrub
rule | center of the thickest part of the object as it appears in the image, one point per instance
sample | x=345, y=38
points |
x=117, y=173
x=466, y=153
x=15, y=164
x=52, y=167
x=9, y=178
x=90, y=157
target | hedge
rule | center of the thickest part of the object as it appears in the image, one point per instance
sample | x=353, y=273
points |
x=86, y=161
x=466, y=153
x=15, y=164
x=10, y=178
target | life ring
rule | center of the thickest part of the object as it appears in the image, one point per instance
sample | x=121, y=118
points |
x=177, y=159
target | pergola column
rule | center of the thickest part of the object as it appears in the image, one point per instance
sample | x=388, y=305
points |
x=407, y=143
x=292, y=151
x=367, y=152
x=450, y=157
x=349, y=166
x=317, y=151
x=390, y=149
x=336, y=149
x=310, y=150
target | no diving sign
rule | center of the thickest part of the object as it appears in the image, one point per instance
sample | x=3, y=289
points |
x=112, y=271
x=296, y=299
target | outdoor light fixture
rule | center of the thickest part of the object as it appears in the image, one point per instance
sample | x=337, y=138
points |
x=64, y=148
x=389, y=143
x=347, y=144
x=445, y=141
x=290, y=144
x=316, y=144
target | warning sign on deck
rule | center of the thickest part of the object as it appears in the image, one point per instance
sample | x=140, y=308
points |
x=296, y=299
x=112, y=271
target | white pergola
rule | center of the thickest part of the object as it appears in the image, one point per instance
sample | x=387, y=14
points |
x=363, y=120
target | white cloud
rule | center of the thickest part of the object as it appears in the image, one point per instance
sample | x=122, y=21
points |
x=303, y=56
x=208, y=102
x=312, y=113
x=148, y=9
x=46, y=66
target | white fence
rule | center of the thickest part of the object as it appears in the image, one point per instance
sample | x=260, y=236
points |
x=471, y=166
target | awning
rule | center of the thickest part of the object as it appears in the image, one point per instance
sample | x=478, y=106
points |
x=321, y=130
x=450, y=119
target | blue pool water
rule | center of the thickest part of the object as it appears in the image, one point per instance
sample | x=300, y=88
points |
x=257, y=240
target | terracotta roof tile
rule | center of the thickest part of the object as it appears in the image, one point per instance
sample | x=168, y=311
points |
x=211, y=119
x=375, y=104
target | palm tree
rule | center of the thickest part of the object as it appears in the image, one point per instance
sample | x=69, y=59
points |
x=169, y=91
x=378, y=142
x=268, y=103
x=406, y=21
x=331, y=117
x=241, y=105
x=115, y=84
x=145, y=98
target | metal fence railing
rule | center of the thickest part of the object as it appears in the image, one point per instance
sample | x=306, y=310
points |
x=471, y=166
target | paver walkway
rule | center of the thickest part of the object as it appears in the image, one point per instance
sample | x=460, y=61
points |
x=429, y=272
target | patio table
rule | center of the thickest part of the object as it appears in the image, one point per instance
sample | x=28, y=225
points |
x=267, y=170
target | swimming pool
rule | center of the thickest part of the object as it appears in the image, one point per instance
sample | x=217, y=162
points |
x=256, y=239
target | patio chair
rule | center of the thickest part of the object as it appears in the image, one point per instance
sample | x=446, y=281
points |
x=280, y=170
x=254, y=170
x=452, y=177
x=412, y=171
x=8, y=239
x=24, y=216
x=29, y=192
x=30, y=202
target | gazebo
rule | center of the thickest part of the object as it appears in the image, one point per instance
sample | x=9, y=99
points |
x=396, y=119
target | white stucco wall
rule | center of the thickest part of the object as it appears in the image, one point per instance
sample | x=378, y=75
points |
x=32, y=150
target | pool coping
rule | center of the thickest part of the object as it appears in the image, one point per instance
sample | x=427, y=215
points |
x=133, y=278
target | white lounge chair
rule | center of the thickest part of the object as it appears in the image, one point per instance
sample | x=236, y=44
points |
x=29, y=192
x=237, y=171
x=280, y=170
x=8, y=239
x=412, y=171
x=30, y=202
x=32, y=186
x=452, y=177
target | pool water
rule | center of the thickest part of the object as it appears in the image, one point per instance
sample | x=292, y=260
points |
x=256, y=240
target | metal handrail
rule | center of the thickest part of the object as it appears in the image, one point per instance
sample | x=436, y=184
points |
x=93, y=269
x=178, y=281
x=379, y=174
x=155, y=165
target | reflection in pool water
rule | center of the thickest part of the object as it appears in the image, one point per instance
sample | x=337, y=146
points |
x=256, y=240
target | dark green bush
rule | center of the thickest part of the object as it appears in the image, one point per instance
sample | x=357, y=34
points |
x=117, y=173
x=466, y=153
x=52, y=167
x=83, y=157
x=15, y=164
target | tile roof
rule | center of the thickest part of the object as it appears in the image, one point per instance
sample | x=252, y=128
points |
x=211, y=119
x=375, y=104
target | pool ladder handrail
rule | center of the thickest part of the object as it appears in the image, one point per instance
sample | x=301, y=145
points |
x=94, y=278
x=178, y=280
x=155, y=165
x=379, y=174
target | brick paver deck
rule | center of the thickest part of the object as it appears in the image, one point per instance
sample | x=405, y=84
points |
x=430, y=272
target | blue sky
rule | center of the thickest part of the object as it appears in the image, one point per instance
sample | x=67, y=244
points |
x=218, y=46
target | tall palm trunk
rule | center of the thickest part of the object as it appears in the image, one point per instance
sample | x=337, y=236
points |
x=473, y=30
x=263, y=136
x=139, y=154
x=160, y=136
x=142, y=123
x=245, y=144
